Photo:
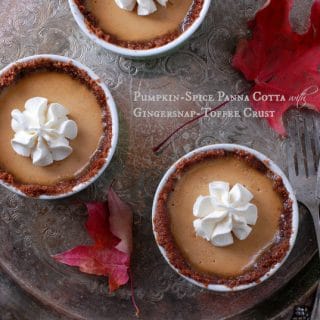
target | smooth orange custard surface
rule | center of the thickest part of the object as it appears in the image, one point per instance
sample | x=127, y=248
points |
x=202, y=254
x=83, y=108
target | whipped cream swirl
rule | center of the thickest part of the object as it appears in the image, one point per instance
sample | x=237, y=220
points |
x=42, y=131
x=145, y=7
x=224, y=212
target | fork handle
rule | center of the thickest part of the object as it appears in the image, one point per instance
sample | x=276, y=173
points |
x=313, y=208
x=316, y=307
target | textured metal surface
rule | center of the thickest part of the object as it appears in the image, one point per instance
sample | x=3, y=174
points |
x=31, y=231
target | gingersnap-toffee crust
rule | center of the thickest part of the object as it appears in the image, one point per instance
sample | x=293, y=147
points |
x=22, y=69
x=266, y=260
x=92, y=24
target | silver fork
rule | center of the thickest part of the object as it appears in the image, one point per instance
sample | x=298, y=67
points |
x=316, y=308
x=304, y=173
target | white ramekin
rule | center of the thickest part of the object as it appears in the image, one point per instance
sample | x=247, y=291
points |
x=114, y=117
x=274, y=168
x=140, y=54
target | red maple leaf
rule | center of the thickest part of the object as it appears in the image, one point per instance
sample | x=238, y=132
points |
x=282, y=64
x=280, y=61
x=110, y=227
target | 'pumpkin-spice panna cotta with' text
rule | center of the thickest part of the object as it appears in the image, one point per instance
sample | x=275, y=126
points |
x=139, y=25
x=223, y=217
x=56, y=127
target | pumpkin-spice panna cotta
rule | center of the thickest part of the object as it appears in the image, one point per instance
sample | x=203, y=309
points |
x=56, y=125
x=138, y=28
x=223, y=219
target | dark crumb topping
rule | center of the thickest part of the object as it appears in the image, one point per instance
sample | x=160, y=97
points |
x=93, y=25
x=22, y=69
x=270, y=257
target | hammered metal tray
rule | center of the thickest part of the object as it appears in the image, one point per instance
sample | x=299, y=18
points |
x=31, y=231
